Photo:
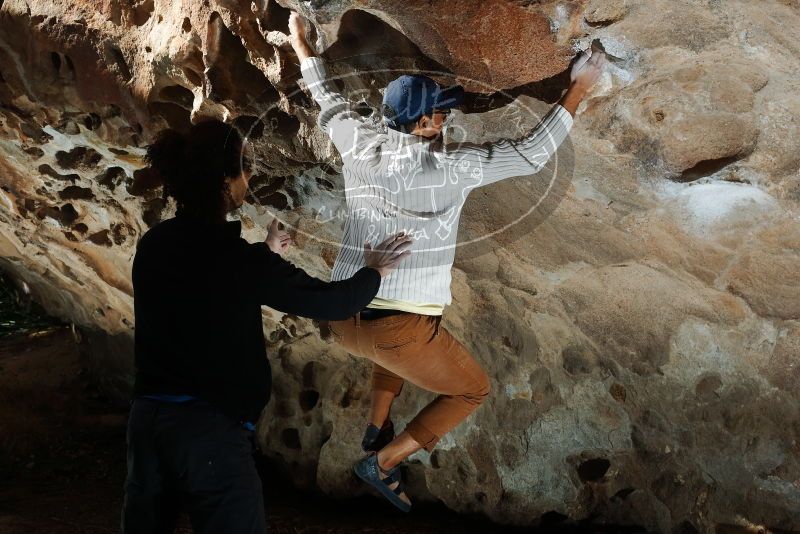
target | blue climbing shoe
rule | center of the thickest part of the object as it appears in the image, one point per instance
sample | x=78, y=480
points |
x=370, y=472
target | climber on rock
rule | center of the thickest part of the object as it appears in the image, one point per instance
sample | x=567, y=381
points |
x=202, y=376
x=406, y=178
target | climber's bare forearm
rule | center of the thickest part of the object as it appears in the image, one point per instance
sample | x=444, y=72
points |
x=573, y=97
x=302, y=48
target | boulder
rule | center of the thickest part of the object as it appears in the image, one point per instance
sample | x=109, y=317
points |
x=635, y=304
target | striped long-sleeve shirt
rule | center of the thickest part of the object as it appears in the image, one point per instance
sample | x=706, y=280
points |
x=396, y=181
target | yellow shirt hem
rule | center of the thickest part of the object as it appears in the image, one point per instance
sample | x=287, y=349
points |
x=403, y=305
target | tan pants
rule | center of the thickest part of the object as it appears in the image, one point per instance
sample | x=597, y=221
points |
x=416, y=348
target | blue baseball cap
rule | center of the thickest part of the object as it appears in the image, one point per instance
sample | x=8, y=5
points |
x=409, y=97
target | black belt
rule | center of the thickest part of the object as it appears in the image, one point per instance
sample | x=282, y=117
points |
x=368, y=314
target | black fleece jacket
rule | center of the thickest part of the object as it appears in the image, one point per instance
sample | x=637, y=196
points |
x=198, y=291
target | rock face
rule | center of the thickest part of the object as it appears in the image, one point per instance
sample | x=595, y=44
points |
x=640, y=328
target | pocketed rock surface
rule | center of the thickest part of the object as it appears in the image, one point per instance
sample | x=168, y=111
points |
x=640, y=324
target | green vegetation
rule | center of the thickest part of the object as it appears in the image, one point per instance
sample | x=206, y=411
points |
x=18, y=313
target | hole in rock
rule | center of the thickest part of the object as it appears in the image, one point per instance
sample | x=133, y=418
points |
x=92, y=121
x=177, y=94
x=230, y=75
x=145, y=180
x=308, y=399
x=111, y=177
x=80, y=227
x=269, y=193
x=80, y=156
x=74, y=192
x=55, y=57
x=148, y=49
x=325, y=184
x=47, y=170
x=624, y=492
x=65, y=215
x=113, y=56
x=347, y=399
x=35, y=132
x=193, y=77
x=308, y=375
x=193, y=66
x=101, y=238
x=277, y=17
x=291, y=438
x=187, y=24
x=141, y=12
x=34, y=151
x=705, y=168
x=599, y=23
x=264, y=183
x=593, y=470
x=276, y=200
x=249, y=126
x=177, y=117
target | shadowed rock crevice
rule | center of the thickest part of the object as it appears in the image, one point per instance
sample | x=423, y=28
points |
x=706, y=168
x=65, y=214
x=116, y=61
x=52, y=173
x=141, y=12
x=251, y=127
x=230, y=75
x=111, y=177
x=290, y=438
x=74, y=192
x=78, y=157
x=593, y=470
x=308, y=399
x=276, y=17
x=145, y=183
x=176, y=94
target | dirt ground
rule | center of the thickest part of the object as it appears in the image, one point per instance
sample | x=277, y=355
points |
x=62, y=460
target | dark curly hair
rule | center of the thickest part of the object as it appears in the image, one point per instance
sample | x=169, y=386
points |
x=194, y=165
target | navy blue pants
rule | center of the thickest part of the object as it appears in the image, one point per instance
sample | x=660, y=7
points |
x=190, y=456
